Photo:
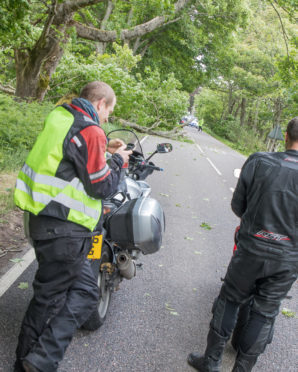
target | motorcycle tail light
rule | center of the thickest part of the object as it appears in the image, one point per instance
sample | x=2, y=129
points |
x=106, y=210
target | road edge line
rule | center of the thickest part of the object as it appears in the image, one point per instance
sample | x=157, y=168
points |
x=14, y=272
x=199, y=147
x=143, y=139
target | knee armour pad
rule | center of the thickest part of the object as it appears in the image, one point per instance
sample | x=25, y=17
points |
x=257, y=334
x=224, y=316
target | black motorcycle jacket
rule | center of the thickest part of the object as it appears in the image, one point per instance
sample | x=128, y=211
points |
x=266, y=200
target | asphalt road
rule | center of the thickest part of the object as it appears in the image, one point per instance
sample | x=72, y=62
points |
x=161, y=315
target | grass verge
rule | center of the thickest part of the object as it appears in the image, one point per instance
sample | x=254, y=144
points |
x=7, y=182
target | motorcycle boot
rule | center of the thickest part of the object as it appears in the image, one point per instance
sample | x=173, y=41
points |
x=244, y=362
x=18, y=366
x=255, y=336
x=28, y=367
x=211, y=360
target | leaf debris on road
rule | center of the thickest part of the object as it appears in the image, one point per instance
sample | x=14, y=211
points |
x=206, y=226
x=171, y=310
x=288, y=313
x=16, y=260
x=23, y=285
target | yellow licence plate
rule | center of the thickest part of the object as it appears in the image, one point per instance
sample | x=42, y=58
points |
x=95, y=251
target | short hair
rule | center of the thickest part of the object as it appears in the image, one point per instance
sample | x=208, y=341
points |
x=97, y=90
x=292, y=129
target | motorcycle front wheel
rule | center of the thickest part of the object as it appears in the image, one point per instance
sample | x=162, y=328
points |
x=98, y=317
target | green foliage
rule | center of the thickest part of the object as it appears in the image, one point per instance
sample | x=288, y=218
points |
x=234, y=48
x=142, y=99
x=190, y=48
x=15, y=26
x=20, y=123
x=254, y=88
x=210, y=106
x=288, y=69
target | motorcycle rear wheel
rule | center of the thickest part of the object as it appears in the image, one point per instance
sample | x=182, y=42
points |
x=98, y=317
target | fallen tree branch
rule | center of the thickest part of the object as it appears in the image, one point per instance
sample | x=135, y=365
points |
x=285, y=36
x=7, y=89
x=173, y=134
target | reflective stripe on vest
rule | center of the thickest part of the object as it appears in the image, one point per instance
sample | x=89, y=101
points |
x=35, y=189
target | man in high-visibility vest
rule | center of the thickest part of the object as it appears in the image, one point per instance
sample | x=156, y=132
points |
x=265, y=264
x=61, y=185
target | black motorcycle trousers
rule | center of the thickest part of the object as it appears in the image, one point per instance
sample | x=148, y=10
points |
x=65, y=294
x=267, y=281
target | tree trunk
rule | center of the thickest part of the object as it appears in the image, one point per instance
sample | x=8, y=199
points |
x=231, y=100
x=249, y=119
x=237, y=110
x=257, y=107
x=192, y=99
x=101, y=46
x=34, y=70
x=243, y=111
x=278, y=108
x=35, y=67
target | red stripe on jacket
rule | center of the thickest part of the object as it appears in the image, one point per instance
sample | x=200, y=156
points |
x=96, y=141
x=79, y=109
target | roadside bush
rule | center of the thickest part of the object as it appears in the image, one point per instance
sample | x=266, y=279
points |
x=20, y=123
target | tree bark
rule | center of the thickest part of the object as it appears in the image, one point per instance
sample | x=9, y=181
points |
x=231, y=100
x=192, y=99
x=278, y=108
x=256, y=118
x=101, y=46
x=34, y=67
x=173, y=134
x=95, y=34
x=243, y=111
x=7, y=89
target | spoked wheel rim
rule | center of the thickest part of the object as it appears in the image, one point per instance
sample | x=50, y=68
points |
x=104, y=295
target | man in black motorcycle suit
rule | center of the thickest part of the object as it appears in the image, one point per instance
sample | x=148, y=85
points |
x=60, y=187
x=265, y=264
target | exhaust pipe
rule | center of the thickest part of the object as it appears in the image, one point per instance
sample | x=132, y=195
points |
x=126, y=266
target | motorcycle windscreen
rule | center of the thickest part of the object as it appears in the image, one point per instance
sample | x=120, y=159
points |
x=128, y=137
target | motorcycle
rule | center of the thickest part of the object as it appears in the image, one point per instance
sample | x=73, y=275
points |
x=133, y=224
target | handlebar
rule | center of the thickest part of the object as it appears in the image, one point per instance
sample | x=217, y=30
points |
x=153, y=167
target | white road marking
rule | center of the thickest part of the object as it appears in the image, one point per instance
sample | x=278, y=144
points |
x=143, y=139
x=199, y=147
x=214, y=166
x=232, y=189
x=12, y=274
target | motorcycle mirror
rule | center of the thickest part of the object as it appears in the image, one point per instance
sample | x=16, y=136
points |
x=164, y=147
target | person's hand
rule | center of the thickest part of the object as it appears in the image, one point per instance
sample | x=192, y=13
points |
x=114, y=144
x=124, y=153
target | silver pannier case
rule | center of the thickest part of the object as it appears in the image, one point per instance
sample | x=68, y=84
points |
x=138, y=224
